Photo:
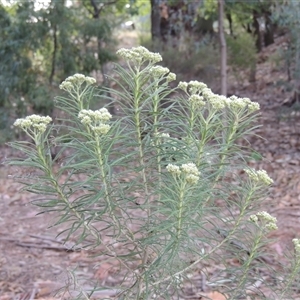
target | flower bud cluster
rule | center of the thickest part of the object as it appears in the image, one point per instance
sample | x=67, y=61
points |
x=36, y=122
x=162, y=135
x=183, y=86
x=270, y=221
x=160, y=138
x=171, y=77
x=196, y=87
x=96, y=120
x=201, y=94
x=159, y=71
x=76, y=80
x=173, y=169
x=259, y=176
x=297, y=246
x=237, y=104
x=197, y=101
x=139, y=55
x=193, y=87
x=190, y=172
x=218, y=102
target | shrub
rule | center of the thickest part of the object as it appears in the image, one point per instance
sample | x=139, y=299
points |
x=161, y=191
x=241, y=54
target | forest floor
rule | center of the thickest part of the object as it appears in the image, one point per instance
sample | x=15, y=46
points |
x=33, y=262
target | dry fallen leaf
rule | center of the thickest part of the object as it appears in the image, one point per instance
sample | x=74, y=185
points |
x=216, y=296
x=45, y=288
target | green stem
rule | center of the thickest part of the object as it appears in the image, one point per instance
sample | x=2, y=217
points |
x=63, y=197
x=157, y=142
x=180, y=211
x=246, y=267
x=137, y=97
x=204, y=129
x=207, y=255
x=103, y=173
x=191, y=121
x=202, y=143
x=295, y=273
x=78, y=99
x=223, y=157
x=107, y=189
x=59, y=191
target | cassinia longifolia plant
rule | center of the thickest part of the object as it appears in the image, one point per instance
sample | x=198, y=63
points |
x=162, y=190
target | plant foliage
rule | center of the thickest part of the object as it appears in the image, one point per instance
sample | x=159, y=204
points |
x=161, y=191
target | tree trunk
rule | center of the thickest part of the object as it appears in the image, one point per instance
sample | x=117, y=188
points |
x=229, y=19
x=257, y=33
x=155, y=22
x=105, y=82
x=223, y=48
x=269, y=34
x=53, y=54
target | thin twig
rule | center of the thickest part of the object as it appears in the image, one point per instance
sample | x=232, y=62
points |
x=34, y=245
x=57, y=248
x=32, y=295
x=46, y=238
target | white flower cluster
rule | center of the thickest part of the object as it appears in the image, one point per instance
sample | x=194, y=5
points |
x=183, y=85
x=101, y=115
x=197, y=101
x=259, y=176
x=76, y=80
x=171, y=77
x=263, y=215
x=199, y=89
x=139, y=54
x=218, y=102
x=159, y=71
x=237, y=104
x=297, y=246
x=100, y=129
x=96, y=120
x=173, y=169
x=196, y=86
x=192, y=87
x=160, y=138
x=162, y=135
x=190, y=172
x=34, y=121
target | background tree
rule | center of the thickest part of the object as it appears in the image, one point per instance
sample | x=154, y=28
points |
x=223, y=48
x=188, y=25
x=287, y=15
x=155, y=21
x=172, y=19
x=41, y=45
x=255, y=17
x=21, y=37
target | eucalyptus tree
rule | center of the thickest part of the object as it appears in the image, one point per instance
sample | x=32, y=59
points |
x=42, y=44
x=288, y=18
x=21, y=37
